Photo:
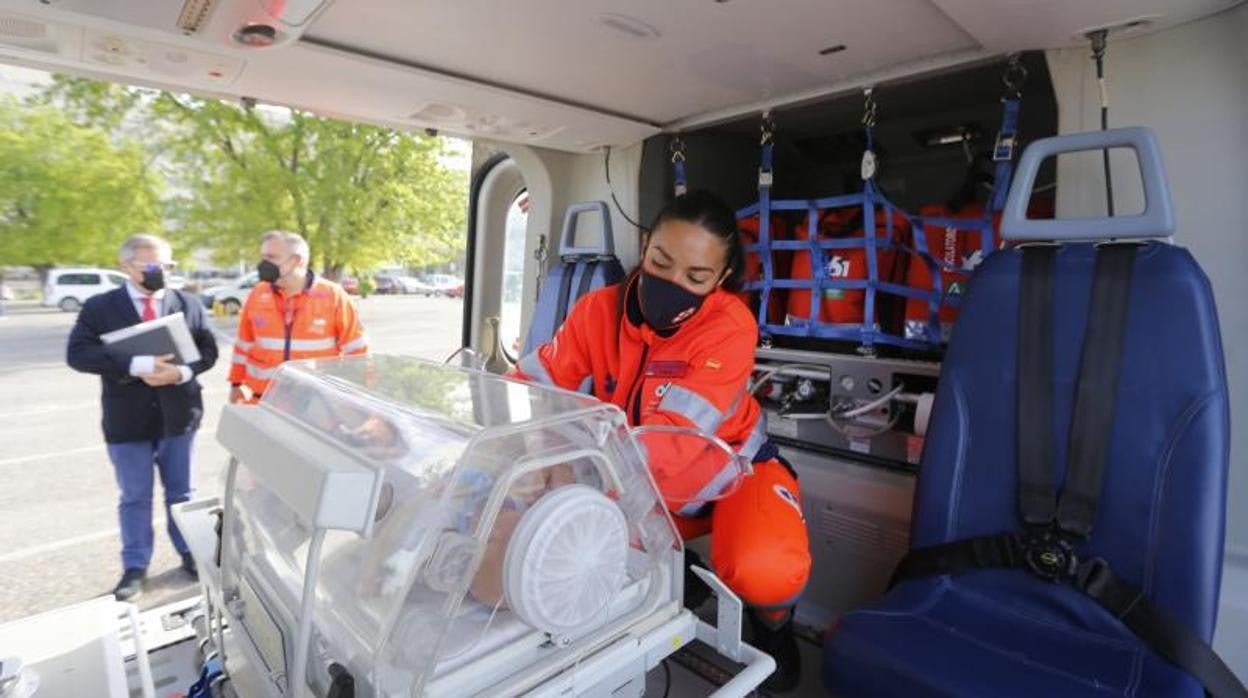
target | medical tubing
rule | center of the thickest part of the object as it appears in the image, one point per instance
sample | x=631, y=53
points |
x=606, y=167
x=870, y=406
x=477, y=642
x=867, y=435
x=786, y=368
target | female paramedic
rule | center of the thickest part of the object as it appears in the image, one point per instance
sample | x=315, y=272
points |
x=672, y=345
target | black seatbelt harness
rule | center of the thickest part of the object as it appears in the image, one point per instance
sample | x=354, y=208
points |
x=1054, y=523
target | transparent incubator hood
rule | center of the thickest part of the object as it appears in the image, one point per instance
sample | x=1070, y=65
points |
x=459, y=514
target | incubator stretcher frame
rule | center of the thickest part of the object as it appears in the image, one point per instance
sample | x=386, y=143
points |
x=331, y=493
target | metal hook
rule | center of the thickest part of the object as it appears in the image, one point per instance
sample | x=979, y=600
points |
x=1014, y=77
x=678, y=149
x=767, y=128
x=869, y=107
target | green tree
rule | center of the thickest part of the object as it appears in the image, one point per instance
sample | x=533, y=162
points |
x=68, y=193
x=361, y=194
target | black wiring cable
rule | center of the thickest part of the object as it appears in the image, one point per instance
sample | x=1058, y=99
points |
x=667, y=678
x=1098, y=39
x=606, y=166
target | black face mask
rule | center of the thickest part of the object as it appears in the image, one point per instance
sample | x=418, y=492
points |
x=268, y=271
x=153, y=279
x=666, y=305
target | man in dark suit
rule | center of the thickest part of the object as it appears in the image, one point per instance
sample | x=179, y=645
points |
x=152, y=406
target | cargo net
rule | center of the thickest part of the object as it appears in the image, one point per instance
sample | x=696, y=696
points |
x=871, y=274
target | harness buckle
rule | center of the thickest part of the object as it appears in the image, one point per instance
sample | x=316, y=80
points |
x=1049, y=556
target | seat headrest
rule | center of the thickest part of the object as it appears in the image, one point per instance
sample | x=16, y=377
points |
x=1157, y=220
x=606, y=238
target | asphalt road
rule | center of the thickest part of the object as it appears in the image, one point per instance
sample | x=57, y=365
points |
x=59, y=540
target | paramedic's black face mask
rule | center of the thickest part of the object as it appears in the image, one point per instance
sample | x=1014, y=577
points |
x=268, y=271
x=665, y=305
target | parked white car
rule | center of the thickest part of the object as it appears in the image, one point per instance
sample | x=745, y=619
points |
x=414, y=285
x=446, y=285
x=68, y=289
x=232, y=294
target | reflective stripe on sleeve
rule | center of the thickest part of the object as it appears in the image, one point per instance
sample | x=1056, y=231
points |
x=692, y=406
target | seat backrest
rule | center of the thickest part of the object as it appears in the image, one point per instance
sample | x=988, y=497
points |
x=1162, y=508
x=579, y=270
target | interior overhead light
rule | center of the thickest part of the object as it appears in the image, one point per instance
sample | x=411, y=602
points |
x=950, y=135
x=1126, y=26
x=630, y=26
x=832, y=49
x=256, y=35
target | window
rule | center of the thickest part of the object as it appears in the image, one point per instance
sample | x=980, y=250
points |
x=78, y=280
x=513, y=272
x=117, y=279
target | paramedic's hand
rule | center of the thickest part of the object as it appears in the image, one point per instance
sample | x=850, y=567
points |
x=237, y=396
x=163, y=372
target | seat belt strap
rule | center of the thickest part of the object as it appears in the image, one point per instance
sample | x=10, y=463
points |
x=1051, y=558
x=565, y=287
x=1169, y=638
x=1037, y=498
x=1096, y=391
x=587, y=279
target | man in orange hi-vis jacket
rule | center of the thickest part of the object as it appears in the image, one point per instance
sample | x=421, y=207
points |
x=292, y=314
x=673, y=346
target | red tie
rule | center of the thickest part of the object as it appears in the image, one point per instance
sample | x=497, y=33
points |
x=149, y=308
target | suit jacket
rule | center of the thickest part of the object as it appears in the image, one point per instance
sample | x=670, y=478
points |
x=133, y=410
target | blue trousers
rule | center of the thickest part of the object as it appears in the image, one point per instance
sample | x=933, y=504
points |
x=134, y=463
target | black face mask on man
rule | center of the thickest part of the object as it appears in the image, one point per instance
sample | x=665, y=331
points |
x=268, y=271
x=665, y=305
x=153, y=278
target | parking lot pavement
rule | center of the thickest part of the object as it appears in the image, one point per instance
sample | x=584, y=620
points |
x=58, y=523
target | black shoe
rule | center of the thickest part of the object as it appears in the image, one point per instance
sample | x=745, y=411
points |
x=131, y=584
x=781, y=644
x=696, y=590
x=188, y=566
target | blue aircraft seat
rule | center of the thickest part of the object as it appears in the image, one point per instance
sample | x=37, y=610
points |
x=1008, y=616
x=578, y=271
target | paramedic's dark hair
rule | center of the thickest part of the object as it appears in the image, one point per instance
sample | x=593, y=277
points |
x=711, y=213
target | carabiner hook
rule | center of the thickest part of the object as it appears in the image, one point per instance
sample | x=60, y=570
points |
x=677, y=149
x=767, y=129
x=1014, y=77
x=869, y=107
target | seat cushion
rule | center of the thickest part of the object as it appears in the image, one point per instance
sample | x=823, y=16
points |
x=992, y=633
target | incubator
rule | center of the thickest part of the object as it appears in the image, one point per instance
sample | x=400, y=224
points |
x=392, y=527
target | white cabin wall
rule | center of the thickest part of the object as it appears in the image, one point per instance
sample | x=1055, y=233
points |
x=1188, y=84
x=556, y=180
x=588, y=182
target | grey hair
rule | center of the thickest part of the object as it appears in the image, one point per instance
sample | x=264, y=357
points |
x=143, y=241
x=294, y=242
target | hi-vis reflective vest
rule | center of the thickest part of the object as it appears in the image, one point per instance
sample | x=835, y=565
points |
x=695, y=377
x=321, y=322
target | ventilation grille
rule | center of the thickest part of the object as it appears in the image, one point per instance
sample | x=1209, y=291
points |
x=30, y=34
x=846, y=528
x=23, y=29
x=194, y=14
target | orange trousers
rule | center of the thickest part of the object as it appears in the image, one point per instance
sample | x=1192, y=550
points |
x=759, y=546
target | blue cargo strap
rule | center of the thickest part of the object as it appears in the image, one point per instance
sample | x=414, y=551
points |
x=202, y=688
x=678, y=166
x=1003, y=154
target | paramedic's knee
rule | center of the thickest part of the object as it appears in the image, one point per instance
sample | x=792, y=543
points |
x=759, y=546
